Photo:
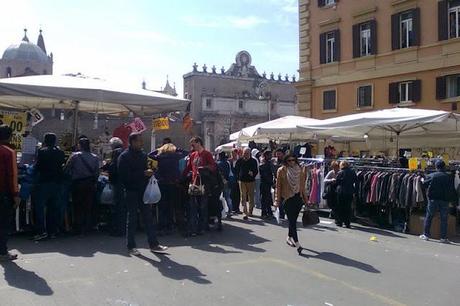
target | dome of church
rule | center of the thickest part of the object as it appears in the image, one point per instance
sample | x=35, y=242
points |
x=25, y=51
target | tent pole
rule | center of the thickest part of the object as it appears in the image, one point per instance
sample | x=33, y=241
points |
x=397, y=144
x=153, y=140
x=75, y=121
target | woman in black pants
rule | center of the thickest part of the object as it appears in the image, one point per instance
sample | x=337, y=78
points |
x=290, y=186
x=345, y=181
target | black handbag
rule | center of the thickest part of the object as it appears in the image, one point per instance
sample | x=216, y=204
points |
x=310, y=217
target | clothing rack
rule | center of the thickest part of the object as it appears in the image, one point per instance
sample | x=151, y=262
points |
x=380, y=168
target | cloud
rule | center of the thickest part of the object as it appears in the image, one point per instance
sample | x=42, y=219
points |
x=246, y=22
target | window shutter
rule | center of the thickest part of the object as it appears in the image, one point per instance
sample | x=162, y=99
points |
x=441, y=88
x=395, y=34
x=443, y=27
x=416, y=91
x=416, y=25
x=321, y=3
x=356, y=40
x=322, y=48
x=393, y=93
x=373, y=24
x=337, y=46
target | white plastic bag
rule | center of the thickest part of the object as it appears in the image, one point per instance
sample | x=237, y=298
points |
x=277, y=215
x=224, y=206
x=107, y=195
x=152, y=194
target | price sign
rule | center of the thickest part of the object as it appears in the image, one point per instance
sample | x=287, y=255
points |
x=18, y=123
x=36, y=115
x=160, y=124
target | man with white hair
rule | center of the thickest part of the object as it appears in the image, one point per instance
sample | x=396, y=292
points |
x=246, y=171
x=118, y=222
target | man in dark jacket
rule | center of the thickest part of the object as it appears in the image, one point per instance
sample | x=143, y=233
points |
x=246, y=170
x=49, y=171
x=440, y=191
x=134, y=174
x=233, y=183
x=118, y=222
x=267, y=171
x=226, y=171
x=345, y=181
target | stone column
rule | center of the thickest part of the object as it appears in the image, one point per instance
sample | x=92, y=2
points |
x=304, y=85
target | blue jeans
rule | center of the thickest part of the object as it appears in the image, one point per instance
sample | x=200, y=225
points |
x=48, y=196
x=134, y=202
x=432, y=208
x=227, y=195
x=197, y=214
x=169, y=198
x=257, y=194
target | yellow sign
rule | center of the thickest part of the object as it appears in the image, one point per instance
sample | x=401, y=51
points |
x=160, y=124
x=18, y=123
x=413, y=163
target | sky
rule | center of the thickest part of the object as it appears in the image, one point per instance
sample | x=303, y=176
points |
x=131, y=41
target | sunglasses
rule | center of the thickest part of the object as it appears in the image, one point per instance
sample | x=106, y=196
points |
x=291, y=160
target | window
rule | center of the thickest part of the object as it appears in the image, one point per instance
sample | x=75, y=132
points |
x=405, y=28
x=404, y=92
x=209, y=103
x=407, y=31
x=365, y=96
x=365, y=39
x=322, y=3
x=329, y=100
x=454, y=18
x=330, y=46
x=453, y=86
x=240, y=104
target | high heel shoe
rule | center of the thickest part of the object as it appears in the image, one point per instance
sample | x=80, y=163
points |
x=299, y=250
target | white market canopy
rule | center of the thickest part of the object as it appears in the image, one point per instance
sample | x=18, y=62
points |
x=284, y=128
x=229, y=146
x=93, y=95
x=396, y=121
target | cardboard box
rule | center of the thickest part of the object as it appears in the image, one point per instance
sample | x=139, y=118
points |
x=417, y=222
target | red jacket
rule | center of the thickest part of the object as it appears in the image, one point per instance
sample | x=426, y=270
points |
x=8, y=171
x=197, y=160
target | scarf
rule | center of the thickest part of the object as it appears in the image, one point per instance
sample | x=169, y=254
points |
x=293, y=178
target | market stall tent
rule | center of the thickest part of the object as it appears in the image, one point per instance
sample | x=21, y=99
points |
x=93, y=95
x=284, y=128
x=400, y=122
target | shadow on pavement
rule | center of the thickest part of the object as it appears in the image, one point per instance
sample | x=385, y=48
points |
x=19, y=278
x=239, y=238
x=174, y=270
x=341, y=260
x=377, y=231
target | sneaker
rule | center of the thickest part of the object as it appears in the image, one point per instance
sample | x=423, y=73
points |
x=134, y=252
x=246, y=218
x=290, y=242
x=40, y=237
x=8, y=257
x=424, y=237
x=160, y=249
x=446, y=241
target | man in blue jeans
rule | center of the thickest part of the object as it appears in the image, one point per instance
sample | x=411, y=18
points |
x=134, y=174
x=440, y=191
x=49, y=172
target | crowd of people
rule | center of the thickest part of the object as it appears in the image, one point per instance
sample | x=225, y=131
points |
x=196, y=188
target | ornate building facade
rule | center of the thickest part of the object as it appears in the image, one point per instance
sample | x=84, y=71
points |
x=26, y=58
x=226, y=101
x=358, y=56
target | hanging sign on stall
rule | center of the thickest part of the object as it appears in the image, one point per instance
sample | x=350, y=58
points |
x=36, y=116
x=137, y=126
x=160, y=124
x=18, y=123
